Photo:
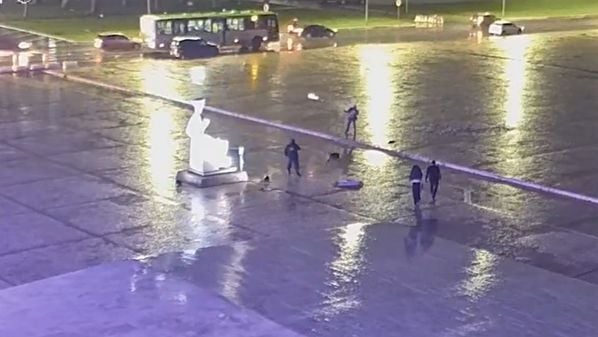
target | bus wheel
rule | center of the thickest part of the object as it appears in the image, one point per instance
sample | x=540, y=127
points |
x=256, y=44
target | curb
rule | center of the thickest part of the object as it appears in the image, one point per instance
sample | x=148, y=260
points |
x=32, y=32
x=484, y=175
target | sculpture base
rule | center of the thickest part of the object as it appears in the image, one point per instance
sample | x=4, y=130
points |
x=190, y=178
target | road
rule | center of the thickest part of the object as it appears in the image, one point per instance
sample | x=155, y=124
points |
x=85, y=54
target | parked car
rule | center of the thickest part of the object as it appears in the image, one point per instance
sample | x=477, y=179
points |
x=482, y=20
x=8, y=43
x=115, y=41
x=188, y=47
x=503, y=27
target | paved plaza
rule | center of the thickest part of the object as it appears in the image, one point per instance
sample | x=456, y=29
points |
x=97, y=240
x=88, y=180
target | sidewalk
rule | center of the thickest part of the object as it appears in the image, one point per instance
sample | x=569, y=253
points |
x=299, y=252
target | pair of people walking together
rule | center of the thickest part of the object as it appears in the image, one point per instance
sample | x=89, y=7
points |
x=416, y=176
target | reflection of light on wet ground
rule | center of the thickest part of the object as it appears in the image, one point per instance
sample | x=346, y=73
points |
x=376, y=72
x=481, y=276
x=162, y=148
x=157, y=78
x=255, y=67
x=198, y=75
x=515, y=75
x=375, y=158
x=234, y=272
x=345, y=270
x=254, y=71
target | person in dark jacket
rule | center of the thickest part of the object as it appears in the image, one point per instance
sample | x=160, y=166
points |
x=434, y=176
x=415, y=177
x=291, y=151
x=352, y=114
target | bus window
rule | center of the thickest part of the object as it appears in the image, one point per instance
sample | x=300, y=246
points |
x=268, y=22
x=249, y=24
x=217, y=26
x=164, y=27
x=195, y=25
x=180, y=27
x=235, y=24
x=207, y=25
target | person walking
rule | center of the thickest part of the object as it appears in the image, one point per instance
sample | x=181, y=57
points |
x=291, y=151
x=415, y=177
x=434, y=176
x=352, y=114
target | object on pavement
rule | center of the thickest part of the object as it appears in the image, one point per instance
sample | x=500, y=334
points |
x=350, y=184
x=313, y=96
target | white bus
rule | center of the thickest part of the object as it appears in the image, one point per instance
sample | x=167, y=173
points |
x=239, y=30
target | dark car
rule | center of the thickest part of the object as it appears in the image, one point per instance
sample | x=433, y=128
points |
x=192, y=47
x=8, y=43
x=317, y=32
x=314, y=36
x=115, y=41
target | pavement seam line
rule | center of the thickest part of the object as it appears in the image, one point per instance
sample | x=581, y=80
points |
x=18, y=251
x=480, y=174
x=69, y=224
x=32, y=32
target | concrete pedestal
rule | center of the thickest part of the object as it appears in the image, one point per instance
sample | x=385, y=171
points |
x=231, y=175
x=194, y=179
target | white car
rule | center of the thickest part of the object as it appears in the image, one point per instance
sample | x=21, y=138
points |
x=503, y=27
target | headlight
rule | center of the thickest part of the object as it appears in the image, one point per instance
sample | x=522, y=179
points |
x=236, y=41
x=265, y=38
x=24, y=45
x=161, y=45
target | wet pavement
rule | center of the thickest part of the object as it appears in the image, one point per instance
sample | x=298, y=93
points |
x=520, y=106
x=47, y=49
x=88, y=178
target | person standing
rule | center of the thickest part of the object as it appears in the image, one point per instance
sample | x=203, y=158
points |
x=291, y=151
x=415, y=177
x=352, y=114
x=434, y=176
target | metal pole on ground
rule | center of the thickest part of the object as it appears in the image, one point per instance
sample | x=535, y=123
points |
x=504, y=5
x=406, y=6
x=398, y=3
x=149, y=6
x=367, y=9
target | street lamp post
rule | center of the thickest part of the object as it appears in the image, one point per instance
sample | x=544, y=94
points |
x=504, y=5
x=367, y=9
x=149, y=6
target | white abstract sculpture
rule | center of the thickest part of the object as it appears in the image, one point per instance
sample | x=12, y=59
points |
x=206, y=153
